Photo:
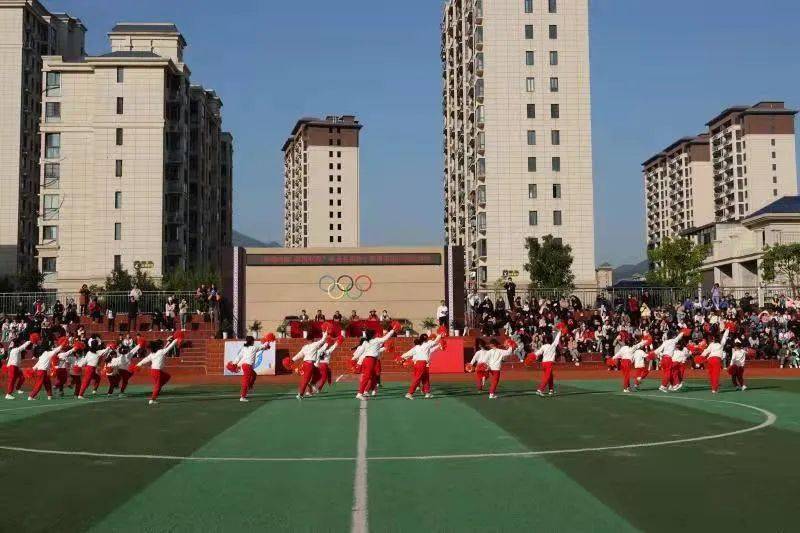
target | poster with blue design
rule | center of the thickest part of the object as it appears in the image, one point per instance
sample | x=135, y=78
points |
x=265, y=359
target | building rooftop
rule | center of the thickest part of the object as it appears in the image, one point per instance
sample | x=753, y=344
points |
x=761, y=108
x=781, y=206
x=130, y=53
x=343, y=121
x=145, y=27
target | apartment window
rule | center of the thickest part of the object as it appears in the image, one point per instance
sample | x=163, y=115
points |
x=552, y=6
x=118, y=200
x=330, y=214
x=339, y=214
x=339, y=238
x=338, y=166
x=556, y=218
x=52, y=111
x=556, y=190
x=529, y=31
x=774, y=179
x=528, y=6
x=120, y=105
x=330, y=190
x=531, y=110
x=117, y=231
x=529, y=58
x=119, y=136
x=52, y=143
x=339, y=203
x=51, y=205
x=555, y=137
x=338, y=178
x=772, y=142
x=553, y=31
x=49, y=234
x=532, y=191
x=53, y=84
x=774, y=167
x=774, y=155
x=52, y=175
x=530, y=84
x=338, y=154
x=331, y=238
x=533, y=218
x=120, y=74
x=330, y=166
x=553, y=85
x=531, y=137
x=48, y=265
x=330, y=178
x=553, y=58
x=330, y=154
x=117, y=263
x=339, y=227
x=118, y=168
x=331, y=227
x=338, y=190
x=774, y=192
x=555, y=111
x=531, y=164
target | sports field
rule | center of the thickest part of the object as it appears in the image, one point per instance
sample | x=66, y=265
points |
x=588, y=459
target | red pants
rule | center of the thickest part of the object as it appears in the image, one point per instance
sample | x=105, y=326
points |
x=714, y=369
x=494, y=380
x=376, y=376
x=124, y=378
x=625, y=365
x=676, y=376
x=75, y=383
x=324, y=373
x=641, y=374
x=61, y=379
x=421, y=377
x=160, y=378
x=480, y=377
x=15, y=379
x=42, y=378
x=737, y=375
x=547, y=376
x=248, y=379
x=305, y=379
x=666, y=371
x=90, y=375
x=113, y=382
x=367, y=375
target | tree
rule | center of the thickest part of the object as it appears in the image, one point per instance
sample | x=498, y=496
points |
x=120, y=280
x=676, y=263
x=549, y=263
x=143, y=281
x=782, y=261
x=189, y=280
x=30, y=280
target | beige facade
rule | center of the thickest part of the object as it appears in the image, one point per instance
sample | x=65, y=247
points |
x=28, y=31
x=678, y=186
x=517, y=136
x=130, y=167
x=322, y=183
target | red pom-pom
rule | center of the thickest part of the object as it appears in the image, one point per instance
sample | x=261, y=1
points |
x=482, y=367
x=287, y=363
x=530, y=359
x=699, y=360
x=231, y=367
x=35, y=338
x=610, y=362
x=469, y=368
x=112, y=345
x=62, y=341
x=408, y=363
x=648, y=339
x=750, y=353
x=651, y=356
x=730, y=326
x=269, y=337
x=687, y=332
x=132, y=368
x=326, y=327
x=178, y=337
x=142, y=343
x=79, y=346
x=511, y=344
x=396, y=326
x=443, y=331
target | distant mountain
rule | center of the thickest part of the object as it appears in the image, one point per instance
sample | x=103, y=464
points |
x=629, y=271
x=240, y=239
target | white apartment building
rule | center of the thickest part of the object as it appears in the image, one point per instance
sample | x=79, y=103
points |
x=517, y=133
x=753, y=156
x=28, y=31
x=675, y=180
x=131, y=163
x=321, y=183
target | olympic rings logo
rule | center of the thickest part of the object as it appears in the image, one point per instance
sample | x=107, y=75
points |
x=345, y=286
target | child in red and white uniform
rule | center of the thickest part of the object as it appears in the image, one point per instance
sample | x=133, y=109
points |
x=479, y=360
x=641, y=362
x=42, y=368
x=421, y=355
x=679, y=358
x=14, y=373
x=625, y=356
x=117, y=369
x=76, y=371
x=494, y=360
x=323, y=362
x=736, y=368
x=156, y=360
x=548, y=353
x=63, y=367
x=367, y=355
x=247, y=360
x=666, y=350
x=90, y=373
x=715, y=354
x=308, y=354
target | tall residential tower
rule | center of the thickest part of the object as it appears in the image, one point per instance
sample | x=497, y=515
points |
x=517, y=132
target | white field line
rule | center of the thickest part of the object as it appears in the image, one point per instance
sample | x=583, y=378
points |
x=360, y=522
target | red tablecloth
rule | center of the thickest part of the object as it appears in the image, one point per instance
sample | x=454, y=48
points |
x=355, y=329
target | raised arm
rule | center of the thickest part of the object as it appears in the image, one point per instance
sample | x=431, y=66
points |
x=387, y=336
x=557, y=338
x=724, y=337
x=409, y=354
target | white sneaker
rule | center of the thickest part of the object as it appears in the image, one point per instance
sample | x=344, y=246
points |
x=243, y=400
x=360, y=396
x=428, y=396
x=121, y=395
x=625, y=390
x=19, y=391
x=152, y=402
x=678, y=387
x=94, y=392
x=49, y=397
x=493, y=396
x=10, y=397
x=539, y=393
x=409, y=396
x=551, y=393
x=713, y=392
x=662, y=388
x=577, y=364
x=31, y=398
x=670, y=388
x=308, y=395
x=299, y=397
x=744, y=388
x=82, y=398
x=374, y=392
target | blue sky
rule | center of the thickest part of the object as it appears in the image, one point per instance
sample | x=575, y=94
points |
x=660, y=70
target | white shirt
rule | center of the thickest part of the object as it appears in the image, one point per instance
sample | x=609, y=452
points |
x=668, y=346
x=422, y=352
x=371, y=348
x=93, y=358
x=495, y=357
x=549, y=351
x=324, y=354
x=156, y=359
x=123, y=360
x=15, y=355
x=66, y=362
x=247, y=355
x=680, y=356
x=716, y=349
x=479, y=357
x=308, y=353
x=639, y=359
x=626, y=352
x=738, y=357
x=44, y=361
x=441, y=311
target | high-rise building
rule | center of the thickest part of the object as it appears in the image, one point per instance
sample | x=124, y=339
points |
x=321, y=183
x=675, y=180
x=28, y=31
x=744, y=162
x=517, y=133
x=131, y=164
